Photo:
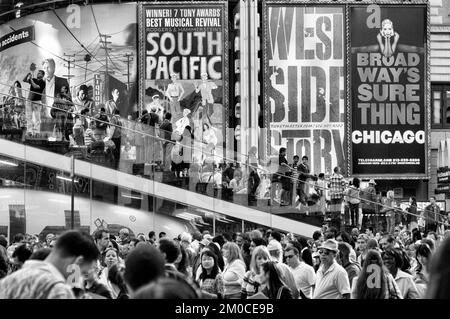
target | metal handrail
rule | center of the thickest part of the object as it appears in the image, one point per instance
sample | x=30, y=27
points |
x=265, y=171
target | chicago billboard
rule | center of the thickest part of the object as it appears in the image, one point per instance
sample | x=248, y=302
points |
x=389, y=105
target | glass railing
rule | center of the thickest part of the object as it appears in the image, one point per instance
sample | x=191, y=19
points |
x=184, y=160
x=36, y=188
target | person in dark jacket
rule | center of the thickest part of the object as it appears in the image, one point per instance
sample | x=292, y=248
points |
x=92, y=285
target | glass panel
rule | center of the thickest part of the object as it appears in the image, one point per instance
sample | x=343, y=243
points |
x=437, y=106
x=447, y=111
x=136, y=158
x=436, y=95
x=12, y=195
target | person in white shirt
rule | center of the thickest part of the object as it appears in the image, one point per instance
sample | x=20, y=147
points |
x=53, y=85
x=331, y=278
x=175, y=92
x=393, y=261
x=236, y=183
x=234, y=271
x=181, y=123
x=304, y=274
x=205, y=88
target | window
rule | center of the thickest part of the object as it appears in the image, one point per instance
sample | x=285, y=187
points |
x=440, y=106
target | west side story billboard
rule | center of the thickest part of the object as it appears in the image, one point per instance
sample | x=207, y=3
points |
x=304, y=92
x=389, y=104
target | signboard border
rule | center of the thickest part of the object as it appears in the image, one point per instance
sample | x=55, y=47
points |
x=427, y=86
x=347, y=42
x=265, y=30
x=225, y=54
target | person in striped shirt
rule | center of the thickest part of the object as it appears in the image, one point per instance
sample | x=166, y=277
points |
x=336, y=187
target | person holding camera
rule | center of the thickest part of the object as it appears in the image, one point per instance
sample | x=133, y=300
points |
x=37, y=86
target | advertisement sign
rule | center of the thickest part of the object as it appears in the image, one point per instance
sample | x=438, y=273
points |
x=184, y=45
x=389, y=122
x=443, y=175
x=76, y=43
x=97, y=88
x=16, y=37
x=305, y=83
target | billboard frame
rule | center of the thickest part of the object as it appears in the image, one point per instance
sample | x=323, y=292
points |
x=427, y=88
x=347, y=4
x=225, y=65
x=266, y=81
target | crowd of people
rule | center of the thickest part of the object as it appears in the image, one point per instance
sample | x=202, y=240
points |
x=258, y=264
x=103, y=136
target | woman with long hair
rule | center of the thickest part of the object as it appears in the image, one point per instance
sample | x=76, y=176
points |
x=117, y=282
x=211, y=281
x=275, y=288
x=382, y=286
x=393, y=260
x=182, y=262
x=422, y=271
x=216, y=250
x=234, y=271
x=251, y=283
x=110, y=258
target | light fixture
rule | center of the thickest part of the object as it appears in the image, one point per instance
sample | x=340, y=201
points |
x=64, y=178
x=131, y=196
x=8, y=163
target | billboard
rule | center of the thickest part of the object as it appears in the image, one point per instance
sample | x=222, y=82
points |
x=184, y=49
x=304, y=82
x=389, y=104
x=66, y=36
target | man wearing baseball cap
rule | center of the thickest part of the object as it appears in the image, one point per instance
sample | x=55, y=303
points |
x=331, y=278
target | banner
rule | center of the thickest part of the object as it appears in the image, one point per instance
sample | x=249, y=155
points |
x=388, y=77
x=305, y=83
x=78, y=44
x=184, y=66
x=443, y=175
x=17, y=37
